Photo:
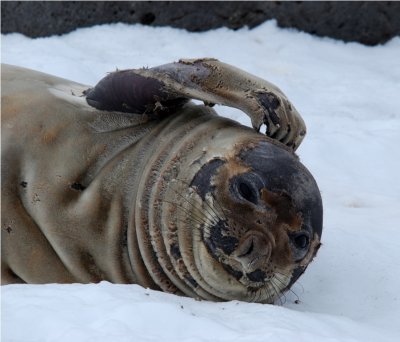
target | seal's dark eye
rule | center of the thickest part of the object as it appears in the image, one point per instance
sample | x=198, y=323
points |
x=247, y=192
x=301, y=241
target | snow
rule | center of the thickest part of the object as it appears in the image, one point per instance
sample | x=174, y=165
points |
x=349, y=97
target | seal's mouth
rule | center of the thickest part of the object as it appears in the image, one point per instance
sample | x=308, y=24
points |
x=253, y=252
x=248, y=259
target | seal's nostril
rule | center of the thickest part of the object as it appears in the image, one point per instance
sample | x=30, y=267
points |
x=257, y=275
x=252, y=254
x=253, y=251
x=249, y=249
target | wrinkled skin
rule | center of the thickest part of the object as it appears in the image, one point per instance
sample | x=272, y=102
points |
x=130, y=182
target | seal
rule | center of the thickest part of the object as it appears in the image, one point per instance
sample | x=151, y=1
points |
x=131, y=182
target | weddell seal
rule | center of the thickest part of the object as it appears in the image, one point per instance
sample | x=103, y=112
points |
x=130, y=182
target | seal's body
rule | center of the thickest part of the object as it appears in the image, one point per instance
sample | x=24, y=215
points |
x=183, y=201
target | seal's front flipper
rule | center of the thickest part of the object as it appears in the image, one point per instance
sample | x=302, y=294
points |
x=128, y=91
x=165, y=88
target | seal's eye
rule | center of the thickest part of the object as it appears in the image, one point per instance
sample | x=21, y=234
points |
x=301, y=241
x=247, y=192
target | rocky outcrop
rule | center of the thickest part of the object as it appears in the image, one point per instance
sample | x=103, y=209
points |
x=365, y=22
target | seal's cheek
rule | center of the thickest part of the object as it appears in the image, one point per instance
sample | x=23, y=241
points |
x=202, y=181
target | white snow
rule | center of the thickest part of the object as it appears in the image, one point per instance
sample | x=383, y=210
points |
x=349, y=96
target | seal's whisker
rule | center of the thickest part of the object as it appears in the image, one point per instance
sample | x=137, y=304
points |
x=282, y=274
x=197, y=220
x=253, y=296
x=217, y=218
x=285, y=286
x=264, y=293
x=268, y=292
x=197, y=192
x=217, y=213
x=258, y=295
x=199, y=233
x=204, y=225
x=220, y=206
x=278, y=291
x=192, y=215
x=282, y=277
x=261, y=294
x=298, y=283
x=271, y=293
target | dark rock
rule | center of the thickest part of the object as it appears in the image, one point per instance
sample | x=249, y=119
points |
x=366, y=22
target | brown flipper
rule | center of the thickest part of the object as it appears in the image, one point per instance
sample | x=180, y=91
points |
x=127, y=91
x=163, y=89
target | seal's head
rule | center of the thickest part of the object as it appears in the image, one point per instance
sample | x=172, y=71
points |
x=260, y=221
